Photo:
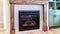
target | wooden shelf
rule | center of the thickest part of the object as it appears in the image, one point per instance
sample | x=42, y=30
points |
x=24, y=1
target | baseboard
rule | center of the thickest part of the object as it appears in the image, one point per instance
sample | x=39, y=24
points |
x=54, y=27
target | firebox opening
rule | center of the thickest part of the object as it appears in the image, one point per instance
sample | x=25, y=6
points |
x=29, y=20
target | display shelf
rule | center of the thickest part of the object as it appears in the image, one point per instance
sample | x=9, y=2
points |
x=54, y=5
x=51, y=5
x=57, y=0
x=57, y=5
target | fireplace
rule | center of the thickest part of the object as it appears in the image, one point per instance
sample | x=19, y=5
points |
x=28, y=20
x=28, y=16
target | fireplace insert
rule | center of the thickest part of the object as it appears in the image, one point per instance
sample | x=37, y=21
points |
x=29, y=20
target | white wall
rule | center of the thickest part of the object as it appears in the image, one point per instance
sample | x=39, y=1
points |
x=7, y=16
x=1, y=11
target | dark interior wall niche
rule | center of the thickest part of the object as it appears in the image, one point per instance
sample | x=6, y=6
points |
x=29, y=20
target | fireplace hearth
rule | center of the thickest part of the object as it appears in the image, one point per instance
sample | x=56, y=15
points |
x=28, y=20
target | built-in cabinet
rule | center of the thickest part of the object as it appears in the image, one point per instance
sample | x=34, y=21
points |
x=54, y=13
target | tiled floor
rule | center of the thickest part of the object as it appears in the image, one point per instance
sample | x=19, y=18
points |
x=2, y=31
x=51, y=31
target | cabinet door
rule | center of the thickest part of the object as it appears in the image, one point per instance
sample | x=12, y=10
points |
x=53, y=18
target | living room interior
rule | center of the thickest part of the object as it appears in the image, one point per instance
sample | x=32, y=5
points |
x=41, y=16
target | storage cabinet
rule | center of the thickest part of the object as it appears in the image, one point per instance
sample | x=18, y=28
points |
x=54, y=13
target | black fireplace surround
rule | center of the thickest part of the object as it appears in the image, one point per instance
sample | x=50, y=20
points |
x=29, y=20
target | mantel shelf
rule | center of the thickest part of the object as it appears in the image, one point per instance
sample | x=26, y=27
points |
x=24, y=1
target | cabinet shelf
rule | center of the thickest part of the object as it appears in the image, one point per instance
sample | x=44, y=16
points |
x=54, y=5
